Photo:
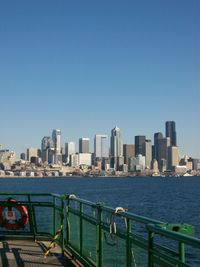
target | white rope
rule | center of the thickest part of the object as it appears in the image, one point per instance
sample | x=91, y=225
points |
x=72, y=196
x=134, y=262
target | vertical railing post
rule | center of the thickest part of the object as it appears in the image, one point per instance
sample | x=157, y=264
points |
x=81, y=228
x=67, y=220
x=181, y=252
x=32, y=218
x=99, y=236
x=150, y=248
x=54, y=215
x=128, y=243
x=62, y=222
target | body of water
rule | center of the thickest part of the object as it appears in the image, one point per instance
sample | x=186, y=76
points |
x=173, y=200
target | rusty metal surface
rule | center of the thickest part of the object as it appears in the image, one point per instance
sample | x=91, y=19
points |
x=27, y=253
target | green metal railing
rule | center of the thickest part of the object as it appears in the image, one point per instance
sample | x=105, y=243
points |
x=100, y=236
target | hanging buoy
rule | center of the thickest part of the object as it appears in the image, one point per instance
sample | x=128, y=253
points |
x=8, y=218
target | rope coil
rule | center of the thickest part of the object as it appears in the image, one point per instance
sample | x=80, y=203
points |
x=113, y=227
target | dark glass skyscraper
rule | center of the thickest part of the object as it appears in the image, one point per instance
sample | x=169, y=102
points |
x=157, y=137
x=140, y=145
x=170, y=128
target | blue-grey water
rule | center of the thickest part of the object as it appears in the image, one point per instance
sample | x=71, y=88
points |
x=173, y=200
x=166, y=199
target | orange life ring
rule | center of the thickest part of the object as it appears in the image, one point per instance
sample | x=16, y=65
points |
x=15, y=224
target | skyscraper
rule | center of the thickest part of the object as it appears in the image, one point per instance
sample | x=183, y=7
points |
x=100, y=146
x=116, y=147
x=70, y=148
x=128, y=152
x=163, y=145
x=170, y=128
x=173, y=157
x=84, y=145
x=157, y=137
x=56, y=137
x=148, y=154
x=116, y=142
x=140, y=145
x=46, y=144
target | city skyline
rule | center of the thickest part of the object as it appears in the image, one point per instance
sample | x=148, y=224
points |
x=85, y=67
x=142, y=156
x=58, y=142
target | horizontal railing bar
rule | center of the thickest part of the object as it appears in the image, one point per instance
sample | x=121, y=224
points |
x=189, y=240
x=61, y=197
x=24, y=194
x=83, y=201
x=167, y=258
x=26, y=203
x=126, y=214
x=132, y=216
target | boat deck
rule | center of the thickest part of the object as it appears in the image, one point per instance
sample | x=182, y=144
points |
x=27, y=253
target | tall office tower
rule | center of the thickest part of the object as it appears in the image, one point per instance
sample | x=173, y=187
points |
x=116, y=148
x=70, y=148
x=46, y=144
x=56, y=137
x=128, y=152
x=170, y=128
x=163, y=145
x=148, y=153
x=100, y=146
x=140, y=145
x=84, y=145
x=157, y=137
x=173, y=157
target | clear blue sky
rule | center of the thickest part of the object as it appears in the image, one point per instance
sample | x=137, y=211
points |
x=85, y=66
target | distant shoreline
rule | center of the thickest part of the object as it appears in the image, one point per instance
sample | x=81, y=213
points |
x=96, y=176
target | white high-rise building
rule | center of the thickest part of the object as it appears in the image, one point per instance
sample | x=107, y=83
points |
x=116, y=143
x=70, y=148
x=101, y=146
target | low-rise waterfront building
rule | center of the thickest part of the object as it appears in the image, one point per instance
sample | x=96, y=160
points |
x=7, y=159
x=31, y=152
x=136, y=164
x=154, y=166
x=85, y=159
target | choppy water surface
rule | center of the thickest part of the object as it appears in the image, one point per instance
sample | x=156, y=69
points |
x=174, y=200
